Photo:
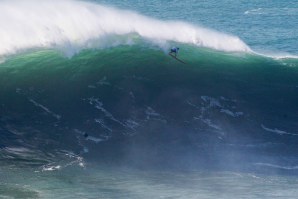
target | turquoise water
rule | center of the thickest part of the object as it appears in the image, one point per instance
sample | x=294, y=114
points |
x=125, y=183
x=92, y=106
x=269, y=26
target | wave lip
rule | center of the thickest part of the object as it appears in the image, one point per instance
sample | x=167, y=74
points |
x=73, y=25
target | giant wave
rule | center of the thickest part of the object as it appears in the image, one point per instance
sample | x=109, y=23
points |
x=135, y=105
x=131, y=100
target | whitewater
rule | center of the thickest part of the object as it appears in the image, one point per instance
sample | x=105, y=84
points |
x=57, y=24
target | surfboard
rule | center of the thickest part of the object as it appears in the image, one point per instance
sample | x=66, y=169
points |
x=177, y=58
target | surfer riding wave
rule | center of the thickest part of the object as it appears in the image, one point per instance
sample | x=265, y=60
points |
x=174, y=51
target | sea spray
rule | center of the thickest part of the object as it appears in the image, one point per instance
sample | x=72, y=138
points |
x=74, y=25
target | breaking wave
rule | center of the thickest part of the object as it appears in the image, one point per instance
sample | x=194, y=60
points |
x=57, y=24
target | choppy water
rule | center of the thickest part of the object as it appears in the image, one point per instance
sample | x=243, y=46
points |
x=125, y=183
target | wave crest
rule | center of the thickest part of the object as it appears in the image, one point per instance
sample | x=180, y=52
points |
x=73, y=25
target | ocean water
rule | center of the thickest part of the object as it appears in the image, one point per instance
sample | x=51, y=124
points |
x=266, y=26
x=92, y=105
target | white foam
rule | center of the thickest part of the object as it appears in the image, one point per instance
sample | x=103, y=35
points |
x=131, y=124
x=58, y=117
x=72, y=159
x=208, y=122
x=230, y=113
x=95, y=139
x=99, y=105
x=277, y=166
x=103, y=125
x=273, y=11
x=151, y=113
x=71, y=25
x=18, y=150
x=276, y=55
x=256, y=11
x=277, y=131
x=51, y=168
x=191, y=104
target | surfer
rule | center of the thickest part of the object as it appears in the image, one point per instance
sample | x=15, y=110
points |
x=174, y=51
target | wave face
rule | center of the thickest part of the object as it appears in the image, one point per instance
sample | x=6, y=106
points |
x=135, y=105
x=57, y=24
x=118, y=98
